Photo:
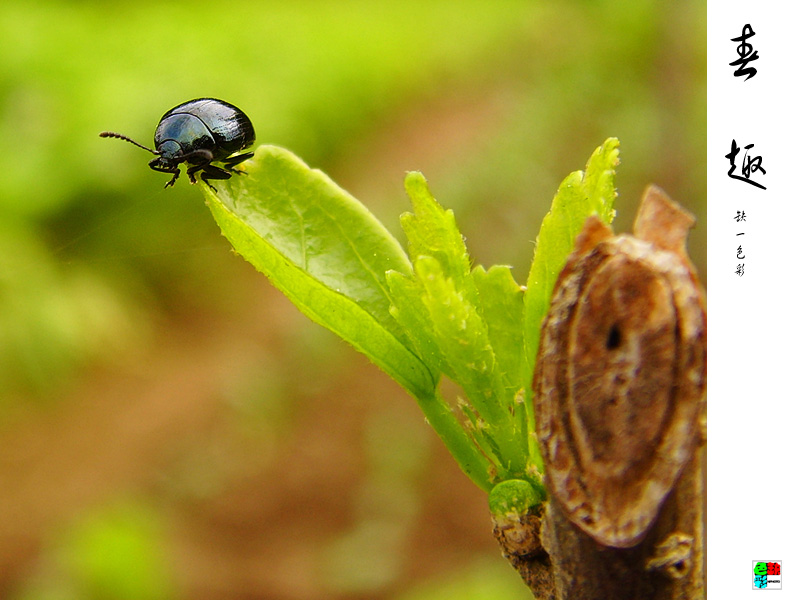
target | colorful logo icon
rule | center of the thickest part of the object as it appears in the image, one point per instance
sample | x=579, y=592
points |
x=767, y=574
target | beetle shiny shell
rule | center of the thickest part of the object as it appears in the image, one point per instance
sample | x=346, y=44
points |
x=199, y=133
x=619, y=387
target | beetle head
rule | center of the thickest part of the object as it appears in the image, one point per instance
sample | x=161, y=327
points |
x=168, y=157
x=169, y=151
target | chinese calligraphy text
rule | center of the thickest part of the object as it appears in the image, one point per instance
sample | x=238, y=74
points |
x=750, y=165
x=740, y=218
x=746, y=54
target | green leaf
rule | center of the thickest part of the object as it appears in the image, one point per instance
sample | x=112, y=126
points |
x=410, y=312
x=325, y=251
x=444, y=315
x=463, y=339
x=432, y=231
x=502, y=306
x=580, y=195
x=501, y=301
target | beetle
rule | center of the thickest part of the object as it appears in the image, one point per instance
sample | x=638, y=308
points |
x=199, y=132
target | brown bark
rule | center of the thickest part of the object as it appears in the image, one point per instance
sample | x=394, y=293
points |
x=558, y=561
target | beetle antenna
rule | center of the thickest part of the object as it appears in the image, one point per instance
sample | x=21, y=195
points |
x=119, y=136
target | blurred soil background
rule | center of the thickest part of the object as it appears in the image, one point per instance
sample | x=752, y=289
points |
x=170, y=426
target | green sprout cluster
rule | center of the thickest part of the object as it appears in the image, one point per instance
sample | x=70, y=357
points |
x=424, y=314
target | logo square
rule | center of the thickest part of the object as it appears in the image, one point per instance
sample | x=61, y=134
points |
x=767, y=574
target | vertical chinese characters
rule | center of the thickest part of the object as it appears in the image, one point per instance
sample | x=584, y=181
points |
x=747, y=167
x=740, y=218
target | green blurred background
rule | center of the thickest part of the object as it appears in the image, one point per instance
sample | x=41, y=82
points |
x=170, y=426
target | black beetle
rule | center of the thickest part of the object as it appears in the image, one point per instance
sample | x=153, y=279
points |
x=199, y=132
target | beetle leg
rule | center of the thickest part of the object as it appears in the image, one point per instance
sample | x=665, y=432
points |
x=172, y=181
x=192, y=170
x=205, y=157
x=164, y=169
x=213, y=172
x=235, y=160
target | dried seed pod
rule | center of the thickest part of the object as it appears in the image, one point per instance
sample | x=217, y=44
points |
x=620, y=379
